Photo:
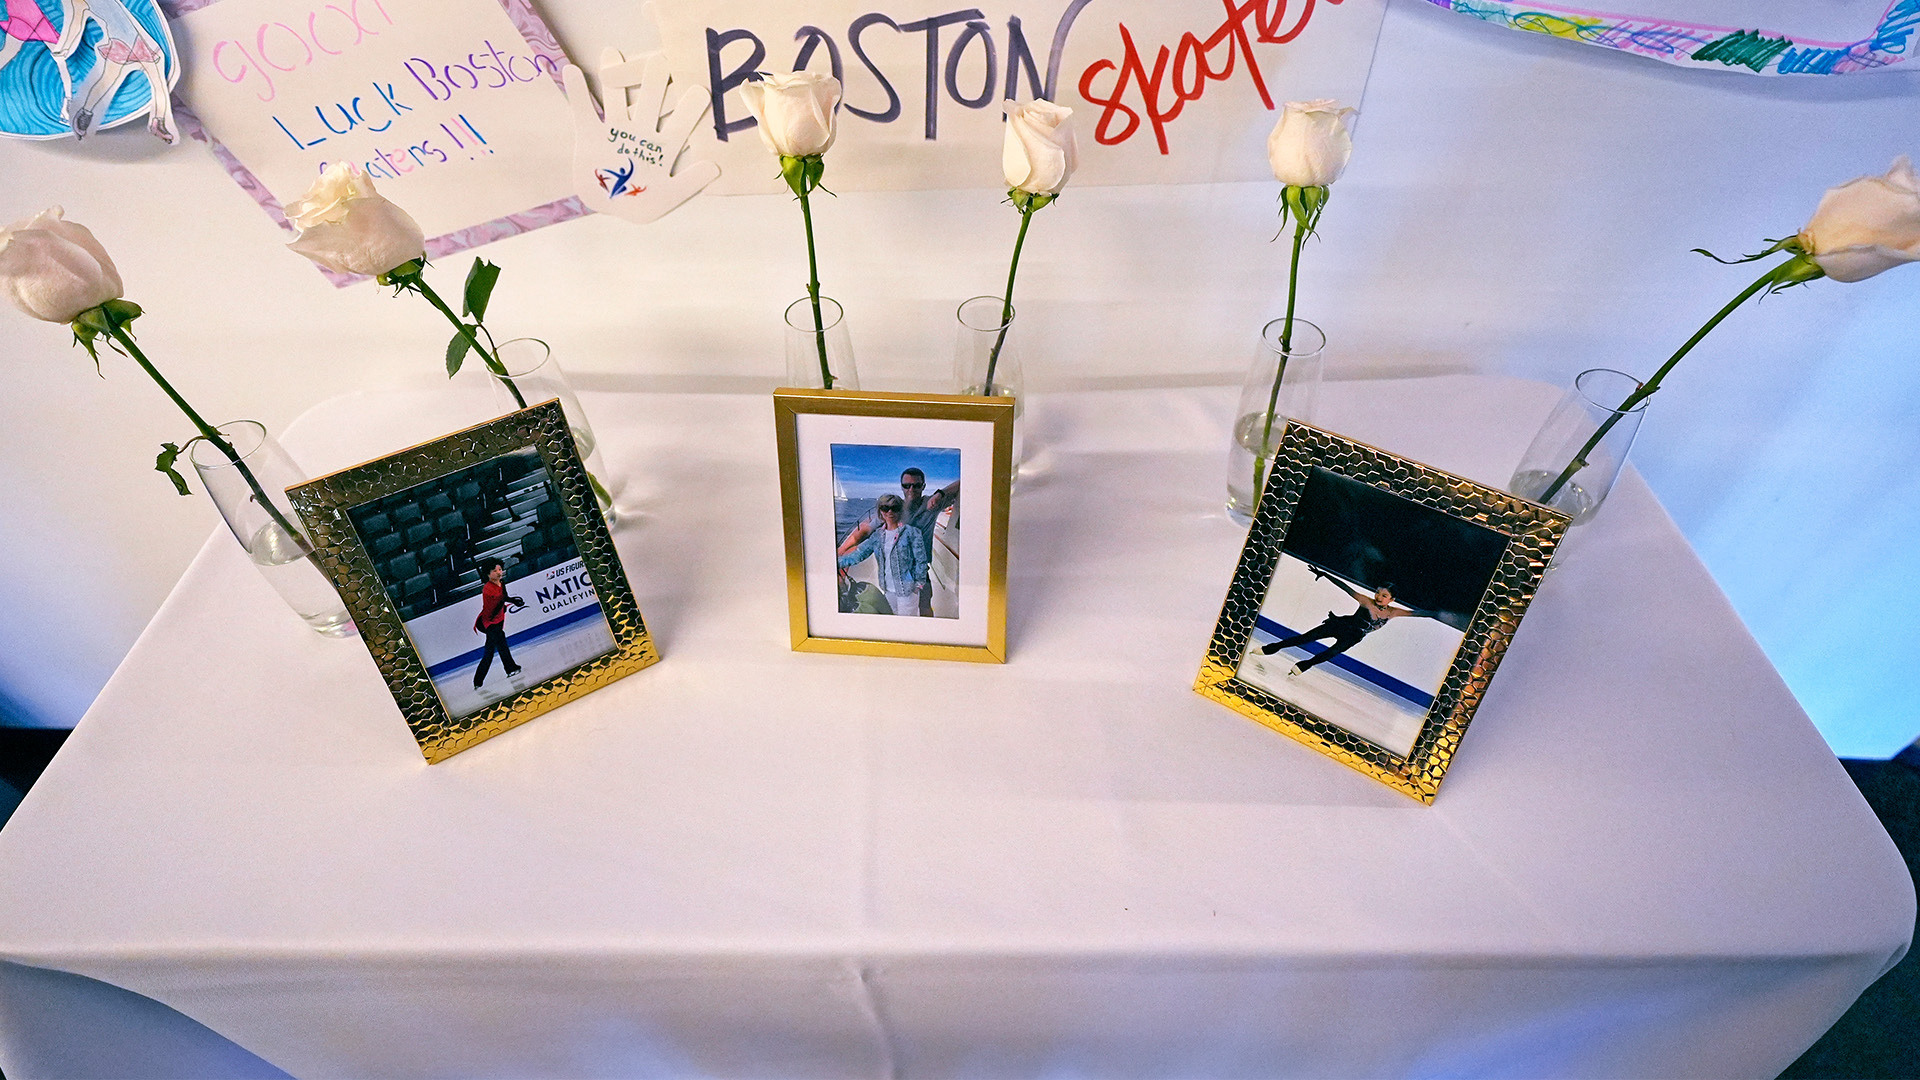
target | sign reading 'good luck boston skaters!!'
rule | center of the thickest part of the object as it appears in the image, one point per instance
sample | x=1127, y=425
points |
x=1163, y=92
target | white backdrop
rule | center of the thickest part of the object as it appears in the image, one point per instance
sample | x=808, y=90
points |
x=1515, y=204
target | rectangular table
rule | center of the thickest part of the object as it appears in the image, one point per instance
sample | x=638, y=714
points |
x=747, y=861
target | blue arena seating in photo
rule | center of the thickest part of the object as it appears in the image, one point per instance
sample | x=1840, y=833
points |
x=427, y=542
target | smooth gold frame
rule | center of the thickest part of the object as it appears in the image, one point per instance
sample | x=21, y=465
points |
x=1532, y=531
x=323, y=504
x=788, y=404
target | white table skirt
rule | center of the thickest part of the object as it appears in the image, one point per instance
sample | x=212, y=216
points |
x=747, y=861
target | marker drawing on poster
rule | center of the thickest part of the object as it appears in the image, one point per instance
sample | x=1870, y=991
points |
x=69, y=68
x=1764, y=37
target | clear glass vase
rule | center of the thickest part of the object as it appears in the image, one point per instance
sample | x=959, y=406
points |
x=252, y=497
x=1588, y=426
x=986, y=343
x=531, y=369
x=1282, y=384
x=807, y=344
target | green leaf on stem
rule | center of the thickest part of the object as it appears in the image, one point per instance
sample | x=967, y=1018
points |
x=794, y=171
x=83, y=336
x=121, y=311
x=1304, y=205
x=1027, y=201
x=480, y=281
x=169, y=453
x=1796, y=271
x=1774, y=247
x=402, y=277
x=457, y=347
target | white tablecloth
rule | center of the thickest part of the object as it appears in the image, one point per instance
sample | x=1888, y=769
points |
x=747, y=861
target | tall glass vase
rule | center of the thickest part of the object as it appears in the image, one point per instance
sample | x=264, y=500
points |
x=531, y=369
x=985, y=339
x=1283, y=384
x=274, y=539
x=1589, y=408
x=806, y=345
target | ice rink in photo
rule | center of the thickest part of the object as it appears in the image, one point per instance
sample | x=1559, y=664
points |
x=544, y=650
x=428, y=545
x=1380, y=689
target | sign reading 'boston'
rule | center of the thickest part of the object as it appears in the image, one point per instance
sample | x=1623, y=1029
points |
x=1169, y=92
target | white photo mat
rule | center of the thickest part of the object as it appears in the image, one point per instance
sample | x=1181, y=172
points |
x=815, y=435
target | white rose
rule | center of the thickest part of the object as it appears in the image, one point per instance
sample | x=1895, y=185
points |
x=795, y=111
x=1040, y=151
x=347, y=226
x=1866, y=225
x=53, y=269
x=1310, y=145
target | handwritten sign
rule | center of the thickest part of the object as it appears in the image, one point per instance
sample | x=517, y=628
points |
x=1163, y=91
x=453, y=106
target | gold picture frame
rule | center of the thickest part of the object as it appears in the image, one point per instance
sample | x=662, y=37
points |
x=405, y=539
x=1465, y=560
x=848, y=452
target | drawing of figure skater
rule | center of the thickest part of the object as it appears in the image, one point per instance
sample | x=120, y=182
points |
x=24, y=22
x=125, y=47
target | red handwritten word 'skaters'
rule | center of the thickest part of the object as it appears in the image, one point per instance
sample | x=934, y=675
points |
x=1194, y=66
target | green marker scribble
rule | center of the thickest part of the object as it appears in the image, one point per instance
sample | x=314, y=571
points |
x=1744, y=48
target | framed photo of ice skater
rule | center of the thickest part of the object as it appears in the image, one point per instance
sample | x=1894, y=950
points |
x=1372, y=604
x=481, y=575
x=895, y=514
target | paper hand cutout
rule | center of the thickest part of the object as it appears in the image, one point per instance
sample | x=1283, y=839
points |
x=623, y=164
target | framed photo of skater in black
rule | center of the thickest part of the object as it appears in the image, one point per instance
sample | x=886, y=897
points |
x=481, y=575
x=1373, y=603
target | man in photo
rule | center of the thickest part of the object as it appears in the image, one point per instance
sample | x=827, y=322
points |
x=919, y=511
x=1345, y=631
x=492, y=620
x=900, y=552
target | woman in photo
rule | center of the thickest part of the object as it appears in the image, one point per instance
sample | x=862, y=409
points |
x=900, y=552
x=492, y=620
x=1345, y=631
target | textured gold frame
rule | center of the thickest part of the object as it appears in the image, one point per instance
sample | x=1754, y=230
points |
x=323, y=504
x=1532, y=531
x=998, y=411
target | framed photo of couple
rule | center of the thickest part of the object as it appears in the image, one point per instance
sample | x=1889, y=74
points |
x=1372, y=604
x=895, y=513
x=481, y=575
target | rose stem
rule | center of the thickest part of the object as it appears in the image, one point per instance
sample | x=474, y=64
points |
x=419, y=283
x=1646, y=389
x=1006, y=305
x=813, y=293
x=1286, y=350
x=207, y=431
